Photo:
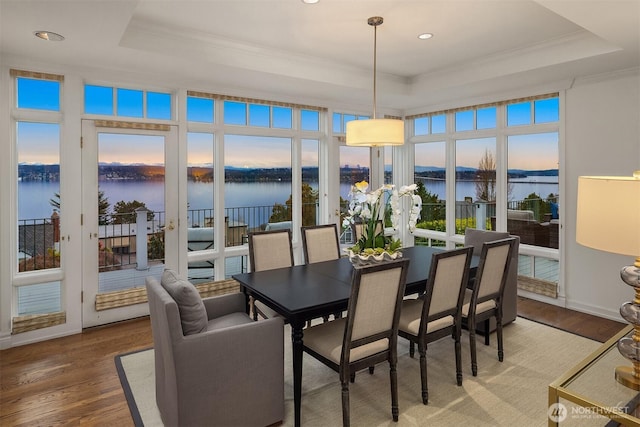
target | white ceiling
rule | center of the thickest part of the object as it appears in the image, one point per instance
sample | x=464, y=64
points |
x=324, y=52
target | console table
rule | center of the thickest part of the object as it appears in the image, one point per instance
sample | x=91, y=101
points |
x=590, y=389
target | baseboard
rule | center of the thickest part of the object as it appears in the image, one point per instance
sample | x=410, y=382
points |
x=5, y=341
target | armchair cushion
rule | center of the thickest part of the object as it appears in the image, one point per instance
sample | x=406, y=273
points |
x=193, y=314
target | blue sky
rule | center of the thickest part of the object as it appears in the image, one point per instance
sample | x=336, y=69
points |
x=39, y=143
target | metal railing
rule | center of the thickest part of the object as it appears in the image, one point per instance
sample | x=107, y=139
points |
x=39, y=238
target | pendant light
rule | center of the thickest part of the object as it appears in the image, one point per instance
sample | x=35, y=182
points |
x=375, y=132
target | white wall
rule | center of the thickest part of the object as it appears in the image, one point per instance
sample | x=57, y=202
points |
x=602, y=137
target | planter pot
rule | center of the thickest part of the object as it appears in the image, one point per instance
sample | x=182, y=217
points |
x=363, y=259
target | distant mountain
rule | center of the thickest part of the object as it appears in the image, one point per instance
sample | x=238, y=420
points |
x=428, y=169
x=545, y=172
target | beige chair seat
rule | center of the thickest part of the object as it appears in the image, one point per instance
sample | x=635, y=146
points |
x=326, y=339
x=480, y=308
x=410, y=318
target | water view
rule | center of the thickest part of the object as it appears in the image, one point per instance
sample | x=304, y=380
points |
x=34, y=195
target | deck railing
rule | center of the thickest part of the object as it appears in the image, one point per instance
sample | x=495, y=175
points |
x=39, y=238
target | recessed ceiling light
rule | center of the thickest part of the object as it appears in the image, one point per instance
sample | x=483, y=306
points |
x=425, y=36
x=310, y=1
x=49, y=36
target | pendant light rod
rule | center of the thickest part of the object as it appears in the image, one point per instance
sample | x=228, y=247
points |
x=375, y=21
x=374, y=132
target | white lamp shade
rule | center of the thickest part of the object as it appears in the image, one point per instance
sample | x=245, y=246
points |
x=608, y=216
x=373, y=132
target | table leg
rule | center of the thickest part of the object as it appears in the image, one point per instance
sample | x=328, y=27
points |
x=296, y=339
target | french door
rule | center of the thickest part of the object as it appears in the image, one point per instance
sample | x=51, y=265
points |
x=130, y=215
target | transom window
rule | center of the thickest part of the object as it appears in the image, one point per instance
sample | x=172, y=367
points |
x=127, y=102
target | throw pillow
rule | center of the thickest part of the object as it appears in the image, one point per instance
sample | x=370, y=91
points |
x=193, y=314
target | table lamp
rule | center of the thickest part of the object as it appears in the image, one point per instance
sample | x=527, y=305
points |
x=608, y=219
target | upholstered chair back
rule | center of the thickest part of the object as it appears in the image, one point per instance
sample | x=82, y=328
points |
x=270, y=249
x=447, y=284
x=320, y=243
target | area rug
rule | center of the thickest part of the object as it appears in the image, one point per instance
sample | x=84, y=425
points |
x=510, y=393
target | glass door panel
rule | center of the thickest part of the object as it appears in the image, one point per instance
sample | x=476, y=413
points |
x=125, y=213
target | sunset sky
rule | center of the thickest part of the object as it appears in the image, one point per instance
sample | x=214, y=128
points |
x=40, y=143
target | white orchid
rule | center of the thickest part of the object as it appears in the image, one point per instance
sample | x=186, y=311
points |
x=366, y=208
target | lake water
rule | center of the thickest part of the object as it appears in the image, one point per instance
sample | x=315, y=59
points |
x=34, y=196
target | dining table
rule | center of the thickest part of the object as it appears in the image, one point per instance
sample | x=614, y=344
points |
x=305, y=292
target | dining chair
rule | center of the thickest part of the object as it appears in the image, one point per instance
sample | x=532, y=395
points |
x=485, y=300
x=369, y=333
x=437, y=314
x=320, y=243
x=474, y=237
x=269, y=250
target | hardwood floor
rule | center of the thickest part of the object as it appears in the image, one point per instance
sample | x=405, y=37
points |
x=586, y=325
x=73, y=381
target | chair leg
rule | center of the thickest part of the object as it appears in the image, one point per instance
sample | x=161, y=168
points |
x=412, y=349
x=352, y=377
x=393, y=375
x=500, y=341
x=423, y=375
x=458, y=351
x=487, y=331
x=472, y=346
x=345, y=403
x=371, y=369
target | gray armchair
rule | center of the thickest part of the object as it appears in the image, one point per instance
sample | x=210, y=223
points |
x=214, y=376
x=476, y=238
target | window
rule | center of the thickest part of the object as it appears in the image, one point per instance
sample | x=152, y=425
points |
x=257, y=187
x=199, y=109
x=40, y=206
x=259, y=115
x=430, y=176
x=388, y=164
x=533, y=203
x=475, y=183
x=126, y=102
x=38, y=147
x=200, y=203
x=310, y=120
x=281, y=117
x=519, y=114
x=340, y=121
x=354, y=167
x=158, y=106
x=464, y=120
x=310, y=177
x=98, y=100
x=517, y=156
x=38, y=94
